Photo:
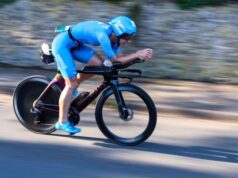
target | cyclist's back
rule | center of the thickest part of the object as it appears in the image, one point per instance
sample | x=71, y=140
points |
x=82, y=34
x=90, y=32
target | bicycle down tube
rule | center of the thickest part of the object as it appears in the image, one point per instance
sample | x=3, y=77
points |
x=81, y=105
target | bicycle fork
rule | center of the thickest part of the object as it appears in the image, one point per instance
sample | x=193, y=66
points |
x=124, y=112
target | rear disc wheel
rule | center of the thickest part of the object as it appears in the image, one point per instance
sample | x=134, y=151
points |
x=36, y=119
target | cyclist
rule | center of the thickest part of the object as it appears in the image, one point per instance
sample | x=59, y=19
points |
x=72, y=44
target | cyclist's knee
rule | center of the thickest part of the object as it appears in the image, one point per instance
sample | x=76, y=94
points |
x=96, y=60
x=71, y=84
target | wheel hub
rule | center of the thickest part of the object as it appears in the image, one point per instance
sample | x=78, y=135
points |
x=128, y=114
x=36, y=115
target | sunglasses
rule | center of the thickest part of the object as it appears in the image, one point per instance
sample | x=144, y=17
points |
x=126, y=36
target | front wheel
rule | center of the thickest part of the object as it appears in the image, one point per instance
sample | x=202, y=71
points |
x=141, y=115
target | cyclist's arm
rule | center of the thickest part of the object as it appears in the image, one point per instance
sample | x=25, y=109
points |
x=105, y=43
x=106, y=46
x=118, y=51
x=124, y=58
x=144, y=54
x=120, y=57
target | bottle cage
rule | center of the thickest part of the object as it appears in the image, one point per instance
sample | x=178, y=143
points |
x=46, y=59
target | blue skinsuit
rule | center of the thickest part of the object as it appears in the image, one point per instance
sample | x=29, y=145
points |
x=86, y=33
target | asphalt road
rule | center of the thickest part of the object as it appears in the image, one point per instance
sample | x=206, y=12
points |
x=182, y=146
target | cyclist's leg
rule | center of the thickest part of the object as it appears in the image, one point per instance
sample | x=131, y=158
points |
x=94, y=61
x=88, y=56
x=66, y=65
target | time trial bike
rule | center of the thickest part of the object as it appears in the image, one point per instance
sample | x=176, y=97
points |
x=124, y=112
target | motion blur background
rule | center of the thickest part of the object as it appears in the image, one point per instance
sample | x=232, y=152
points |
x=192, y=39
x=194, y=87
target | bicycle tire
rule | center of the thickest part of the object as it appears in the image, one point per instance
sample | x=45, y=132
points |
x=152, y=115
x=26, y=92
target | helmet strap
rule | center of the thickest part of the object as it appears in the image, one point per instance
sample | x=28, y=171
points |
x=118, y=42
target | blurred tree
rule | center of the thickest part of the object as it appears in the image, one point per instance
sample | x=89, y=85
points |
x=135, y=12
x=3, y=2
x=114, y=1
x=186, y=4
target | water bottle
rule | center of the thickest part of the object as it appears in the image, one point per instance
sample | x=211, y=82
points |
x=81, y=96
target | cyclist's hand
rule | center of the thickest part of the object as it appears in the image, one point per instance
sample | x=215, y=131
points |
x=145, y=54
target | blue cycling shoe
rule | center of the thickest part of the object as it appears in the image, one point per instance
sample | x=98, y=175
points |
x=67, y=127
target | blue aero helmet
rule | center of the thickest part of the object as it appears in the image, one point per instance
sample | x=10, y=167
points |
x=122, y=26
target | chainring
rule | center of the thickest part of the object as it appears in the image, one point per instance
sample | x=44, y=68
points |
x=73, y=116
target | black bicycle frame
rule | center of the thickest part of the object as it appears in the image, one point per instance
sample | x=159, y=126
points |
x=82, y=104
x=110, y=75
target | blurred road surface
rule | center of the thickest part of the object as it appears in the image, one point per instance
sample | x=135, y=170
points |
x=196, y=137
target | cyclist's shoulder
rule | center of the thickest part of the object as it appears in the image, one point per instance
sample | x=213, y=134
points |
x=92, y=23
x=95, y=26
x=103, y=30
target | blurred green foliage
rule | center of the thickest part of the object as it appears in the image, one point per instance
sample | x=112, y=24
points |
x=3, y=2
x=135, y=12
x=187, y=4
x=114, y=1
